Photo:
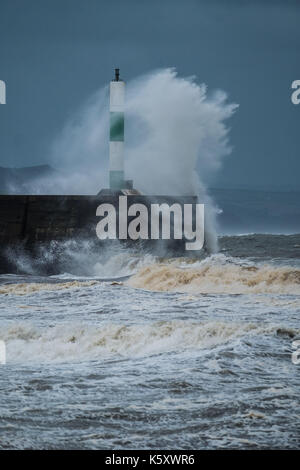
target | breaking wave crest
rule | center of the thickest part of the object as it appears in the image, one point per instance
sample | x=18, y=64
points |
x=218, y=274
x=32, y=287
x=81, y=342
x=78, y=258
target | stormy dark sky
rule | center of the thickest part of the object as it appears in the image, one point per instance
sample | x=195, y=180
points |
x=55, y=53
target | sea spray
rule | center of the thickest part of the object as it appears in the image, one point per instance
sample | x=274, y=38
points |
x=79, y=258
x=180, y=141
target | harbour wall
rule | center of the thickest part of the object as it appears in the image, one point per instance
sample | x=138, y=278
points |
x=32, y=220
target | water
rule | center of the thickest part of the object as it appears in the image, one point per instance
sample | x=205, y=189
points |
x=196, y=356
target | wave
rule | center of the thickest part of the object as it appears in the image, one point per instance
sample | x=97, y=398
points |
x=78, y=258
x=79, y=342
x=216, y=275
x=32, y=287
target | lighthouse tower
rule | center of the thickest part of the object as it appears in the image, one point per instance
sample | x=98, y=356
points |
x=116, y=133
x=117, y=182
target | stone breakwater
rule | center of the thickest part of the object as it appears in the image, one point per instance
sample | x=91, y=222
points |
x=29, y=221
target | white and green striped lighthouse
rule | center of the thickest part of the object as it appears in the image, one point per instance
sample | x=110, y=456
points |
x=116, y=134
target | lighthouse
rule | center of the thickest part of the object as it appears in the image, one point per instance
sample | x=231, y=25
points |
x=116, y=133
x=117, y=181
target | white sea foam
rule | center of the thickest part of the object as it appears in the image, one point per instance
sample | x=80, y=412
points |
x=78, y=342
